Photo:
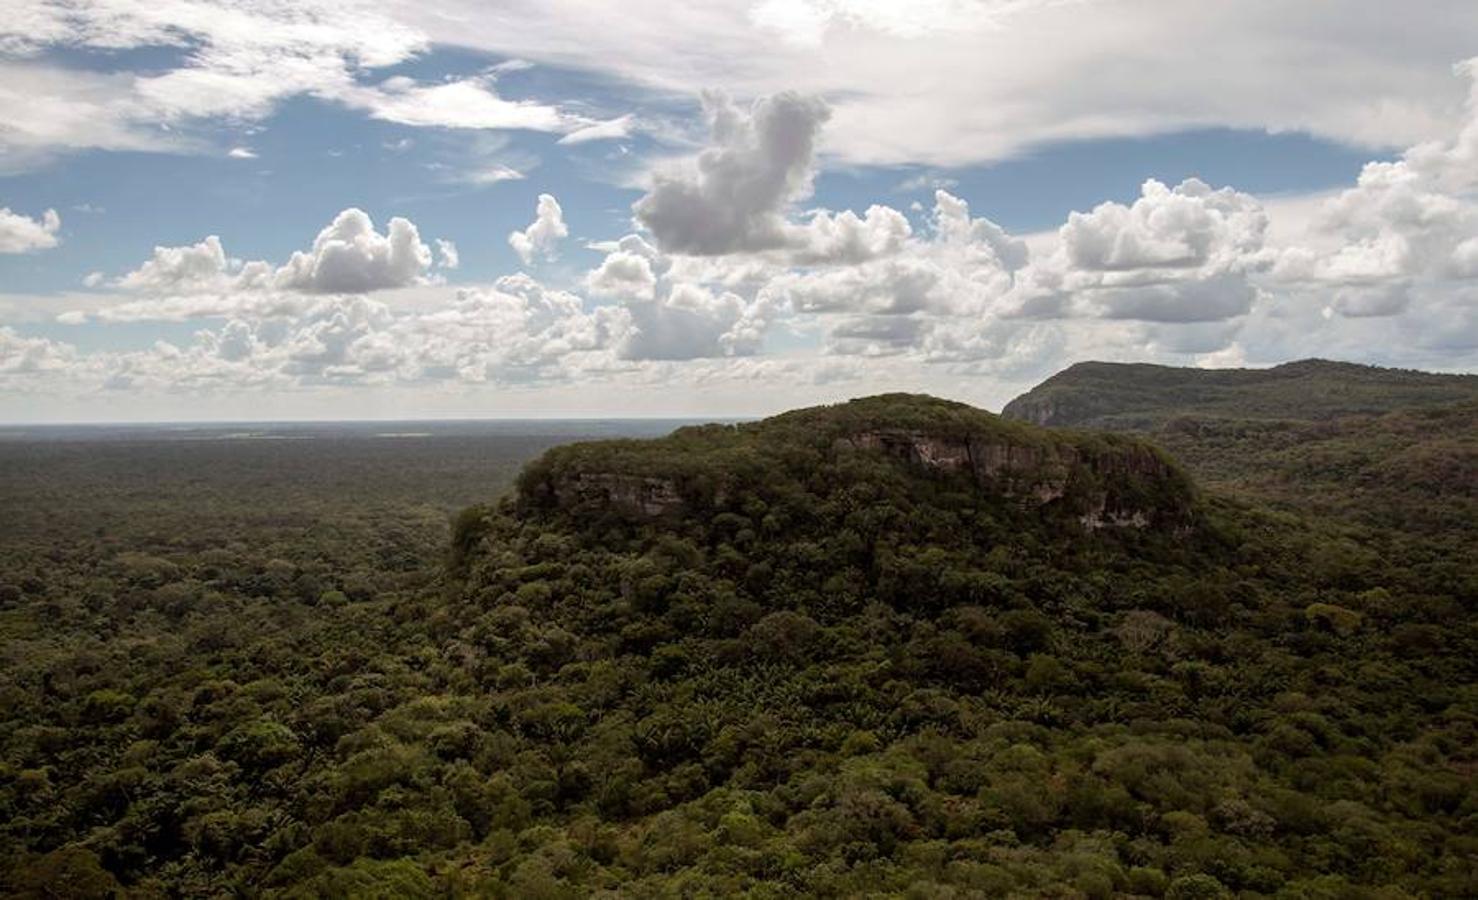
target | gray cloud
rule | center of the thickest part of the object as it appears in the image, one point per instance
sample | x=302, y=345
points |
x=731, y=198
x=1208, y=299
x=690, y=322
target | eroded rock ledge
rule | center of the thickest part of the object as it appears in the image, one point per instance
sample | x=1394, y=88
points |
x=637, y=495
x=1036, y=473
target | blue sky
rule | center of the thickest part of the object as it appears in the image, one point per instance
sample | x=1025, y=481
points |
x=788, y=203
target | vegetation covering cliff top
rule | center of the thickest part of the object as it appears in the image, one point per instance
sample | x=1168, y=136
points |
x=1140, y=395
x=802, y=451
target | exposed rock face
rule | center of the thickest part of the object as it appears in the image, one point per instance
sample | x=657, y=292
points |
x=1098, y=519
x=1042, y=412
x=631, y=495
x=1036, y=474
x=930, y=451
x=1041, y=474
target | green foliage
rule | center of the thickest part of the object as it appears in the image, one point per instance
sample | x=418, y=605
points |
x=371, y=880
x=70, y=872
x=834, y=674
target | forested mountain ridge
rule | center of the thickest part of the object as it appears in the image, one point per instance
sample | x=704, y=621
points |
x=1389, y=448
x=1142, y=396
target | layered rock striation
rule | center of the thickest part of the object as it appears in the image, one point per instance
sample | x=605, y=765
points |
x=1037, y=473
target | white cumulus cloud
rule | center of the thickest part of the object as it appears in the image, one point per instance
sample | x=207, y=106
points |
x=23, y=234
x=349, y=256
x=546, y=231
x=627, y=271
x=690, y=322
x=1181, y=254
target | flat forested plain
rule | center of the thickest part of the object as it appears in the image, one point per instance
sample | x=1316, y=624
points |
x=316, y=661
x=142, y=561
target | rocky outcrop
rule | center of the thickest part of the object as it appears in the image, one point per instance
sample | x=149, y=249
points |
x=930, y=451
x=1036, y=474
x=632, y=495
x=1038, y=411
x=1096, y=519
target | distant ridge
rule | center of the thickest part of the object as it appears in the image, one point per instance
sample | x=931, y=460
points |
x=1140, y=396
x=1392, y=447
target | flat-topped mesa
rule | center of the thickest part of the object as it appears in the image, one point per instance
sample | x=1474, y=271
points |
x=1098, y=480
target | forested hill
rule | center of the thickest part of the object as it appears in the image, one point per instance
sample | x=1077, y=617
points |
x=900, y=448
x=1388, y=448
x=1143, y=396
x=901, y=647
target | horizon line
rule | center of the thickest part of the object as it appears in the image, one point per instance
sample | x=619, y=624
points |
x=197, y=423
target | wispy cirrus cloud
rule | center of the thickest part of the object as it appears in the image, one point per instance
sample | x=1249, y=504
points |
x=236, y=62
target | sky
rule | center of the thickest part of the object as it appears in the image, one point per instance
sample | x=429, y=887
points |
x=218, y=210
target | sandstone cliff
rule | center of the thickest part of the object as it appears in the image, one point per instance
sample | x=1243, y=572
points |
x=1037, y=474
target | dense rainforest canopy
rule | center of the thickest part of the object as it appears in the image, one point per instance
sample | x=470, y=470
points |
x=897, y=647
